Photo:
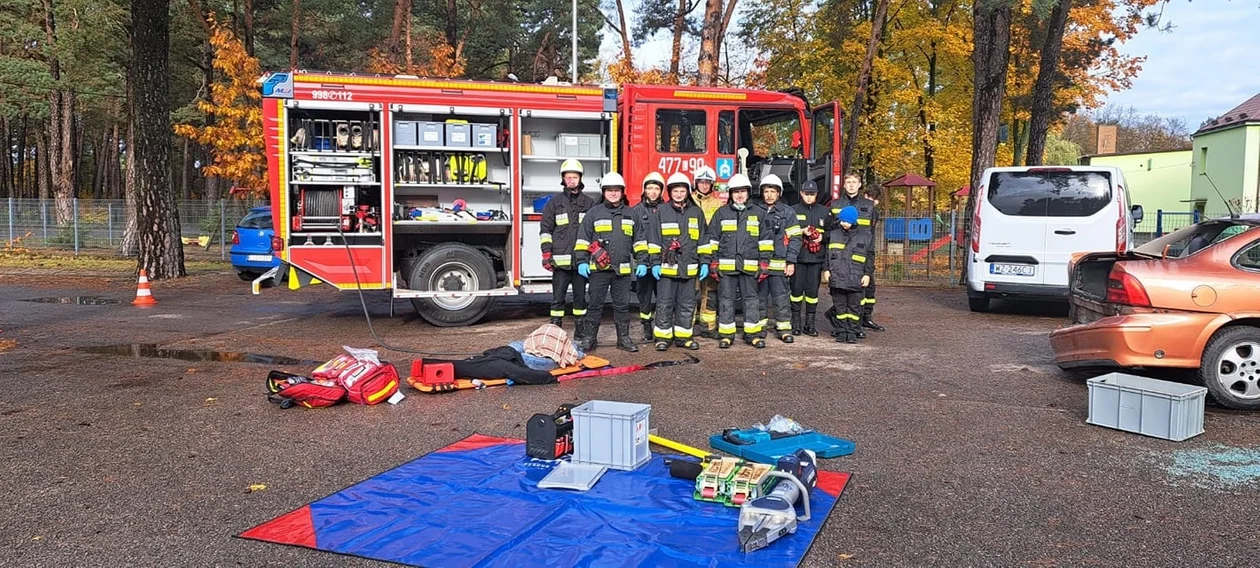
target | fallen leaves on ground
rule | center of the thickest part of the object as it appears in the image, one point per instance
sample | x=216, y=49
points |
x=255, y=487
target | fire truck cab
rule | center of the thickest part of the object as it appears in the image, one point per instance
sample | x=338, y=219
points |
x=432, y=189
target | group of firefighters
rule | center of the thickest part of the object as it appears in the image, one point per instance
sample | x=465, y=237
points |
x=682, y=246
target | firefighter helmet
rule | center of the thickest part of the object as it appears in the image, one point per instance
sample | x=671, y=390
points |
x=679, y=178
x=655, y=178
x=739, y=182
x=772, y=180
x=611, y=180
x=705, y=173
x=571, y=165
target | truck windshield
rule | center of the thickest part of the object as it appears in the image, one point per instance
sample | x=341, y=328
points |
x=1049, y=193
x=770, y=134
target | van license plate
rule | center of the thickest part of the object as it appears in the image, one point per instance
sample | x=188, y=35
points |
x=1012, y=269
x=258, y=258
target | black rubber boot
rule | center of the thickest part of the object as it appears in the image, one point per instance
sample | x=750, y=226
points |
x=662, y=345
x=624, y=342
x=559, y=322
x=647, y=329
x=796, y=320
x=688, y=344
x=870, y=324
x=786, y=337
x=811, y=316
x=860, y=334
x=586, y=333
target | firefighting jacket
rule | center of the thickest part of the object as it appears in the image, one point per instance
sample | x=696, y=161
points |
x=735, y=240
x=709, y=205
x=818, y=217
x=559, y=227
x=779, y=227
x=645, y=216
x=679, y=241
x=865, y=207
x=614, y=229
x=850, y=256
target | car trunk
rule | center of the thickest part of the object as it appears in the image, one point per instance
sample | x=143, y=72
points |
x=1088, y=300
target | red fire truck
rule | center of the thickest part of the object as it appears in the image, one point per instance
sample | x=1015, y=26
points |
x=432, y=188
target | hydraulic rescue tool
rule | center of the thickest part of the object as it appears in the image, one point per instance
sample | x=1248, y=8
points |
x=765, y=519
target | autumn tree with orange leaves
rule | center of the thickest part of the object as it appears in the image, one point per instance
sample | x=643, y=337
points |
x=235, y=137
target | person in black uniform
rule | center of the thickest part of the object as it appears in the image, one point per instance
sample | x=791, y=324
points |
x=868, y=300
x=813, y=219
x=645, y=214
x=605, y=254
x=734, y=235
x=558, y=232
x=782, y=235
x=852, y=196
x=679, y=255
x=850, y=265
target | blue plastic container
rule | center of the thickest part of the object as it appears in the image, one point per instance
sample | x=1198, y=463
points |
x=769, y=452
x=540, y=203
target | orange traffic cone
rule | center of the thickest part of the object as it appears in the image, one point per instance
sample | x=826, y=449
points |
x=144, y=295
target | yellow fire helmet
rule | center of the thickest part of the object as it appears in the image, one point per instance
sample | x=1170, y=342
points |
x=571, y=165
x=655, y=178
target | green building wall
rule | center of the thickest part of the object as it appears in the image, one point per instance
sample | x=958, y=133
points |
x=1231, y=160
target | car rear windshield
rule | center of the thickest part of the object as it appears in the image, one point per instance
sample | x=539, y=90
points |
x=1049, y=193
x=1194, y=238
x=256, y=221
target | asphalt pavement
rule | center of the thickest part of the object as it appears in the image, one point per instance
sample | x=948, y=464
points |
x=972, y=448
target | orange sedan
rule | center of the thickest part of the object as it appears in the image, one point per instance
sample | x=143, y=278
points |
x=1188, y=300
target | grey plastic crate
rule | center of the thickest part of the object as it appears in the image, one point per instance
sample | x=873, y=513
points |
x=432, y=133
x=485, y=135
x=611, y=434
x=1142, y=405
x=458, y=134
x=405, y=133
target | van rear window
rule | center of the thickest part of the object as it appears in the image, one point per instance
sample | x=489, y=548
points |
x=1050, y=194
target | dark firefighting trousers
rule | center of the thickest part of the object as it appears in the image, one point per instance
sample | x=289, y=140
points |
x=805, y=283
x=646, y=289
x=729, y=287
x=868, y=300
x=561, y=279
x=675, y=308
x=772, y=294
x=847, y=306
x=603, y=284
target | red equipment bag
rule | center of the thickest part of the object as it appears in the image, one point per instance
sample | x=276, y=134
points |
x=289, y=390
x=331, y=370
x=369, y=383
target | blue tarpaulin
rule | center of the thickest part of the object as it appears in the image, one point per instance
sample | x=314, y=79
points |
x=476, y=503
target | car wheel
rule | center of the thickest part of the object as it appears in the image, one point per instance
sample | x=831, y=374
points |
x=248, y=276
x=1231, y=367
x=452, y=267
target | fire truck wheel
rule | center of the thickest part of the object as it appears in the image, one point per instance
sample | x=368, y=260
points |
x=452, y=267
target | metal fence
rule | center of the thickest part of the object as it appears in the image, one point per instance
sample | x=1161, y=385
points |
x=922, y=247
x=96, y=225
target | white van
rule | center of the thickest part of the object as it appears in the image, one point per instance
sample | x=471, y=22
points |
x=1029, y=221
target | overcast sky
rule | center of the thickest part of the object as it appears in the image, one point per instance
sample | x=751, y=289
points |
x=1208, y=64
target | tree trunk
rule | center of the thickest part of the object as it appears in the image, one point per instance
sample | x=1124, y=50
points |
x=43, y=175
x=157, y=230
x=127, y=244
x=709, y=42
x=63, y=156
x=249, y=27
x=20, y=180
x=864, y=81
x=675, y=52
x=115, y=183
x=6, y=165
x=627, y=56
x=295, y=29
x=989, y=57
x=185, y=190
x=1043, y=89
x=402, y=12
x=452, y=24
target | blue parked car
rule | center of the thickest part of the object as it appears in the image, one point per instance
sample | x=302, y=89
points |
x=251, y=251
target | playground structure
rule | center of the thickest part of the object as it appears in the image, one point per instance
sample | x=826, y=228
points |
x=916, y=240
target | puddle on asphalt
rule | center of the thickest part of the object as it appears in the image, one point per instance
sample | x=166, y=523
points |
x=153, y=350
x=76, y=300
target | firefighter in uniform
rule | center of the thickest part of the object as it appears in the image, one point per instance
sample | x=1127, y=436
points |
x=679, y=249
x=851, y=264
x=852, y=196
x=645, y=214
x=813, y=219
x=558, y=232
x=605, y=255
x=781, y=235
x=707, y=199
x=868, y=301
x=734, y=235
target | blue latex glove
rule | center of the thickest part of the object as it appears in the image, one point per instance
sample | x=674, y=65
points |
x=656, y=272
x=704, y=271
x=585, y=270
x=640, y=271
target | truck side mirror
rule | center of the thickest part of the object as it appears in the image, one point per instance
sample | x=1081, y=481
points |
x=1136, y=210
